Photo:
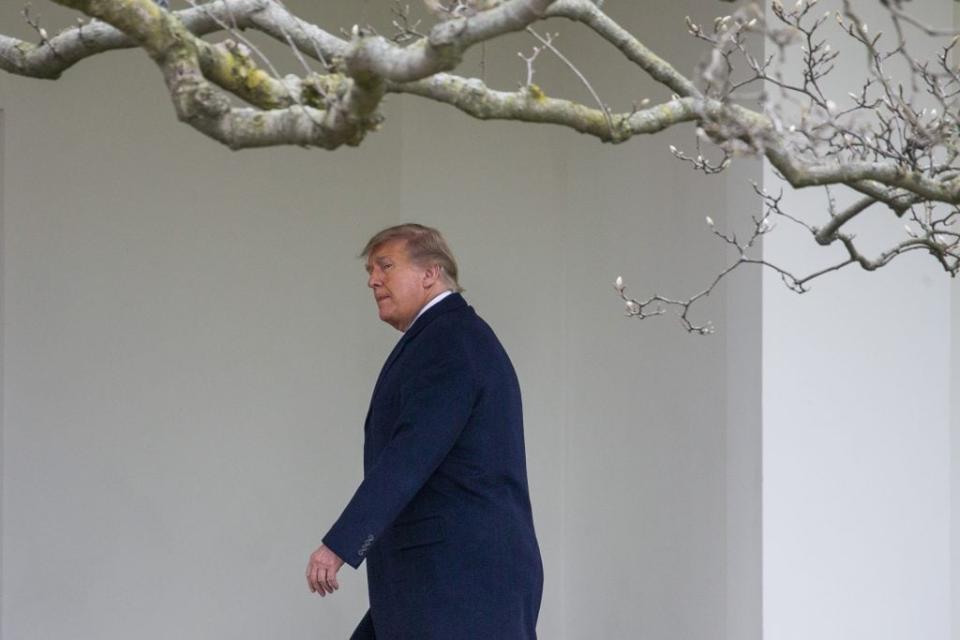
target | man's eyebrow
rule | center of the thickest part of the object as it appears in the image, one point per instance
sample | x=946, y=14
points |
x=379, y=260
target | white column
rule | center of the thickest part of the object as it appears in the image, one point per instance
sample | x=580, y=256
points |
x=856, y=425
x=955, y=460
x=955, y=434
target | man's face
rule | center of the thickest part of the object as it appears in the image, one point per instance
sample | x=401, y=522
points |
x=400, y=287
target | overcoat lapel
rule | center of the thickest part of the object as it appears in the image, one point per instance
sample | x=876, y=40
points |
x=397, y=348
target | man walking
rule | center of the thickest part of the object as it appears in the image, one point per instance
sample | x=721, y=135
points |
x=443, y=514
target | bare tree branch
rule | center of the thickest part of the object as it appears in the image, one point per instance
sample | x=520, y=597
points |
x=896, y=143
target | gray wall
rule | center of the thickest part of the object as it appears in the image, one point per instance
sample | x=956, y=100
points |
x=2, y=361
x=189, y=350
x=744, y=386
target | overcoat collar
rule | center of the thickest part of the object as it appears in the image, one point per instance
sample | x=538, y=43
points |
x=450, y=303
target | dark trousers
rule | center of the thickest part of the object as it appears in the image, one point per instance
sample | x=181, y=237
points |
x=364, y=630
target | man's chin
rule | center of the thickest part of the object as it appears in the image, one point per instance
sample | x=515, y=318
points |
x=386, y=317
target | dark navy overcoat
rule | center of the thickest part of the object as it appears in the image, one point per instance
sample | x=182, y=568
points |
x=443, y=516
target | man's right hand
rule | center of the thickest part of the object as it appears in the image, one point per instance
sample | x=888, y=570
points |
x=322, y=571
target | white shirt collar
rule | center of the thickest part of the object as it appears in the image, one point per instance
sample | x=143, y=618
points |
x=437, y=298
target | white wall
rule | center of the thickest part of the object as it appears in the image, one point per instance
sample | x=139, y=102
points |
x=856, y=437
x=189, y=350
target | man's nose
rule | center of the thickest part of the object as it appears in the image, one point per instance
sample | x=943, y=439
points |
x=373, y=281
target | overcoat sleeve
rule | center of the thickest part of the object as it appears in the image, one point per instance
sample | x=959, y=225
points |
x=436, y=402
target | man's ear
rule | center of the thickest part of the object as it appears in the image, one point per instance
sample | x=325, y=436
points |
x=431, y=274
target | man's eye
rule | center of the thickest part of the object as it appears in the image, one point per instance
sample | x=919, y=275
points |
x=387, y=266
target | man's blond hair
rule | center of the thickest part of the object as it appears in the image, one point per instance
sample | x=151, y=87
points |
x=425, y=247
